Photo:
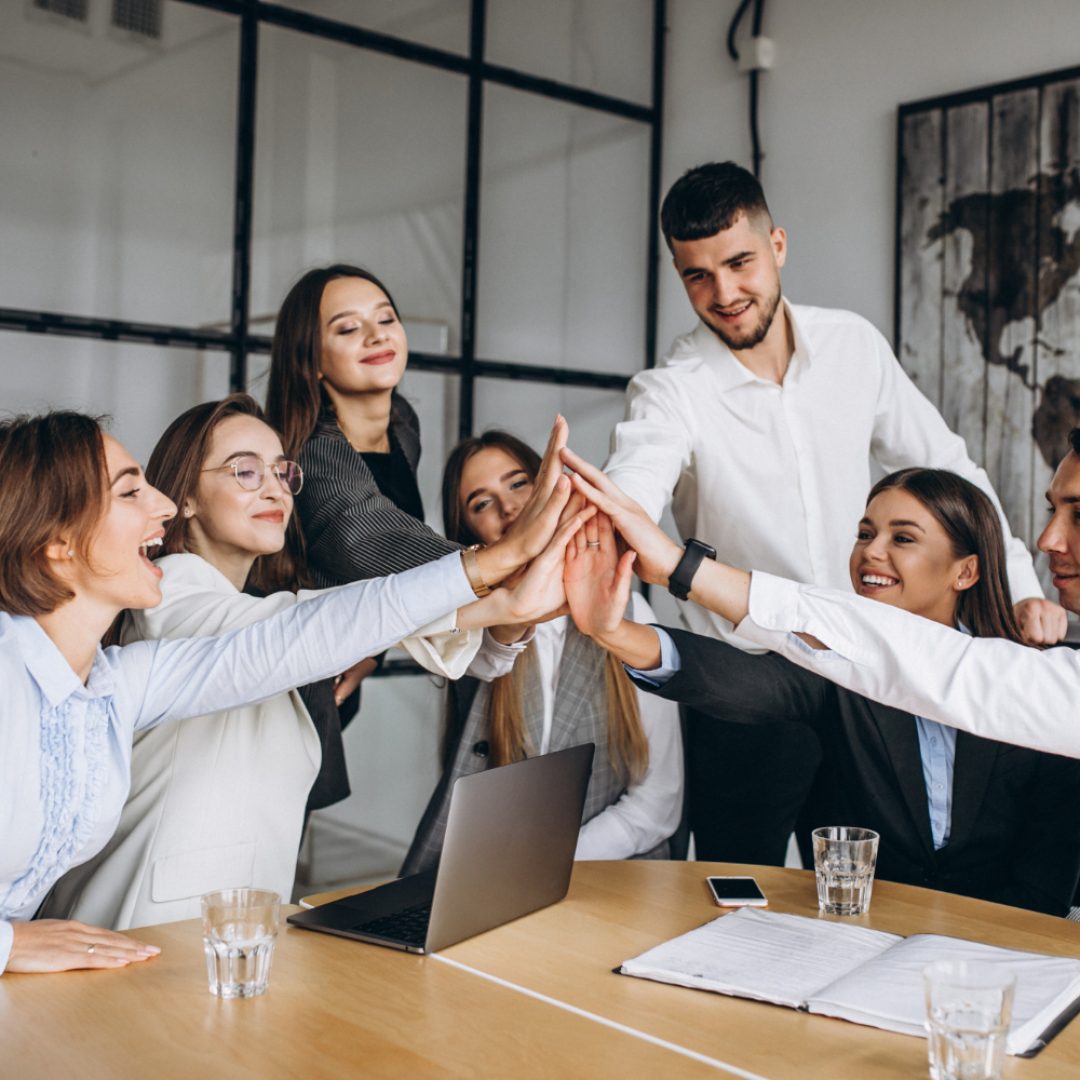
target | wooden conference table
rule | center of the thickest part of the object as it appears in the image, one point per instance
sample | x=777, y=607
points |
x=534, y=998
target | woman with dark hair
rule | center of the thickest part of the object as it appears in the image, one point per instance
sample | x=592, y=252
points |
x=219, y=801
x=955, y=812
x=338, y=356
x=562, y=692
x=77, y=519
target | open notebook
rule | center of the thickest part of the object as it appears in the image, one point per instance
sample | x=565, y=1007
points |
x=852, y=972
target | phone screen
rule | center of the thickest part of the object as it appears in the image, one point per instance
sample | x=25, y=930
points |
x=732, y=891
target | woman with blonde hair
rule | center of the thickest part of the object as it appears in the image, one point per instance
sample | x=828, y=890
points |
x=563, y=691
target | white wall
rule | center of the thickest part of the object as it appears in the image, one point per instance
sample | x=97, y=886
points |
x=828, y=118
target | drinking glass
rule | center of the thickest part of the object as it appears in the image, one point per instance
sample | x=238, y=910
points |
x=968, y=1009
x=239, y=928
x=844, y=861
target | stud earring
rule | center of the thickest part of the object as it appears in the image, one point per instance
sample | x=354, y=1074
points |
x=71, y=553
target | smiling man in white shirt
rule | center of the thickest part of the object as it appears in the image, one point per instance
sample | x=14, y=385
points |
x=760, y=426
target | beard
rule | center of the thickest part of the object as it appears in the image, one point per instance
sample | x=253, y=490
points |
x=748, y=339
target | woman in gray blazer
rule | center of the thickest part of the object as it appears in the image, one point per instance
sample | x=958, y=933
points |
x=338, y=356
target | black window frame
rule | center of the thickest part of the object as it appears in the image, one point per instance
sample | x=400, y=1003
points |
x=240, y=343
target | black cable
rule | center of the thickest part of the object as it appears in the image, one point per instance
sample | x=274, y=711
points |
x=734, y=27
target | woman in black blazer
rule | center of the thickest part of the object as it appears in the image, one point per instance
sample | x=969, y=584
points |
x=338, y=355
x=955, y=812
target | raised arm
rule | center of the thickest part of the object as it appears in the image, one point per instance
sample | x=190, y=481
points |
x=988, y=686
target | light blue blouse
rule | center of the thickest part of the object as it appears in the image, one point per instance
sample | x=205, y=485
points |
x=66, y=748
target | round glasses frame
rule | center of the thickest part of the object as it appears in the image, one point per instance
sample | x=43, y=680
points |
x=250, y=471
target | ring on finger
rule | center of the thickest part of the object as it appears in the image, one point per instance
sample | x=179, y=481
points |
x=92, y=947
x=592, y=543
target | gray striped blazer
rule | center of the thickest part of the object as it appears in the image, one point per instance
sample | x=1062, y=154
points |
x=352, y=531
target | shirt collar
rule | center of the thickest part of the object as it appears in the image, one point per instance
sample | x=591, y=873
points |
x=51, y=671
x=729, y=373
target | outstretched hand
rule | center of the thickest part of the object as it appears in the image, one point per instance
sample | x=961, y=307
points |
x=537, y=594
x=597, y=579
x=64, y=945
x=658, y=554
x=539, y=518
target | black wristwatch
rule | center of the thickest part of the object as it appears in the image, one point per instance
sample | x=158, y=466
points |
x=683, y=574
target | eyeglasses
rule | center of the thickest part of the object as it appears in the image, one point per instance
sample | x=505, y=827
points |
x=250, y=472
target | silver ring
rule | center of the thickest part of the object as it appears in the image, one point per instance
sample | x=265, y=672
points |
x=592, y=543
x=91, y=947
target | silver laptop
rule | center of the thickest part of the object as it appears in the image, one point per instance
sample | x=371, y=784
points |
x=509, y=849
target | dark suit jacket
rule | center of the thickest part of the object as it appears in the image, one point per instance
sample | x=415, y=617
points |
x=1015, y=832
x=352, y=532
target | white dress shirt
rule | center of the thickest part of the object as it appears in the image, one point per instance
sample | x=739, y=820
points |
x=65, y=769
x=987, y=686
x=776, y=476
x=648, y=811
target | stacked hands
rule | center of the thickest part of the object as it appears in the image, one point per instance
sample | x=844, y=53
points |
x=578, y=542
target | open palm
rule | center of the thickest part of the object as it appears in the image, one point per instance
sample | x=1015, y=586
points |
x=596, y=578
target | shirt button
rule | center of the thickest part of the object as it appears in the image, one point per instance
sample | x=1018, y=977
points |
x=938, y=787
x=933, y=741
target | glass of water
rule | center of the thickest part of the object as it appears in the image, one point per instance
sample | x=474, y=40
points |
x=239, y=928
x=968, y=1009
x=844, y=861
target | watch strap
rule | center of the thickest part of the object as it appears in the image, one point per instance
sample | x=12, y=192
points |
x=683, y=575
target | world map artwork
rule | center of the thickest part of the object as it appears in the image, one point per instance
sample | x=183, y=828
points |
x=988, y=275
x=1001, y=289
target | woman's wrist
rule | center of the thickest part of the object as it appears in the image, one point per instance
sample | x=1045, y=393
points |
x=634, y=644
x=492, y=610
x=498, y=561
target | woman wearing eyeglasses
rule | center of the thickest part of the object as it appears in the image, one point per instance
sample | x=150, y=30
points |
x=219, y=801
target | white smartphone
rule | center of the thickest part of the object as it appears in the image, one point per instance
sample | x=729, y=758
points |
x=736, y=892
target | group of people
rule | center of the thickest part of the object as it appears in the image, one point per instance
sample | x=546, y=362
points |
x=249, y=580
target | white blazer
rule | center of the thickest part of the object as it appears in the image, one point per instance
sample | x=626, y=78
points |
x=216, y=801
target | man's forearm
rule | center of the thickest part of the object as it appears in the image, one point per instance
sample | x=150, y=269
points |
x=633, y=644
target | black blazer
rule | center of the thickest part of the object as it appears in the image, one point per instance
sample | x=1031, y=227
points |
x=1015, y=831
x=353, y=532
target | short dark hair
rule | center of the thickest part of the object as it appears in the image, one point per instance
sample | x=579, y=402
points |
x=53, y=480
x=708, y=199
x=1074, y=440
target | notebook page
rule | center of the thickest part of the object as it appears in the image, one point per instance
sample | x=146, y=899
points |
x=762, y=955
x=889, y=992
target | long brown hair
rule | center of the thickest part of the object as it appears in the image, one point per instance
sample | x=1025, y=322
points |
x=294, y=394
x=974, y=528
x=175, y=466
x=628, y=748
x=53, y=480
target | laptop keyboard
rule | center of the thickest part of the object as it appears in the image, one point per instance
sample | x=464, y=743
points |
x=409, y=926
